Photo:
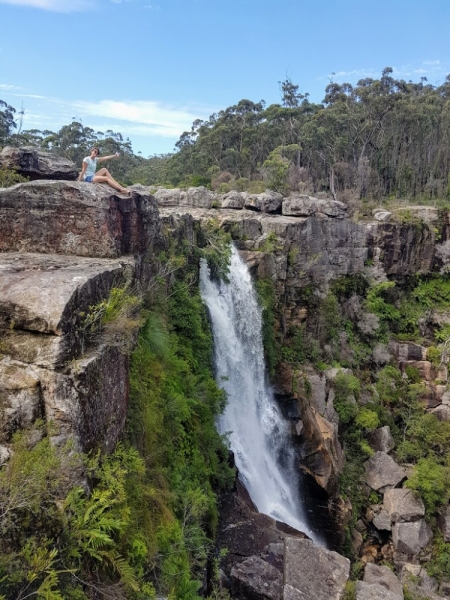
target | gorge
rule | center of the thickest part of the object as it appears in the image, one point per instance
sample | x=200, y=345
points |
x=361, y=371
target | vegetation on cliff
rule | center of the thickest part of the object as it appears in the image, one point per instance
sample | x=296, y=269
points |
x=350, y=329
x=141, y=521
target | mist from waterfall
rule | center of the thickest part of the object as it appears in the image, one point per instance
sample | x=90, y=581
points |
x=257, y=433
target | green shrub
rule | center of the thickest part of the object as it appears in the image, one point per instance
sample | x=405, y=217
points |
x=367, y=419
x=9, y=177
x=439, y=565
x=431, y=480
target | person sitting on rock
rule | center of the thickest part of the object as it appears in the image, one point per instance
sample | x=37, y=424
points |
x=103, y=176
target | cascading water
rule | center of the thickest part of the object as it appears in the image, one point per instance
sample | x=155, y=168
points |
x=257, y=432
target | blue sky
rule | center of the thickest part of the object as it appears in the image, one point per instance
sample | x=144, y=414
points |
x=148, y=68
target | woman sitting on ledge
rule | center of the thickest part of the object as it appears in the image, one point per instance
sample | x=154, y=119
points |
x=103, y=176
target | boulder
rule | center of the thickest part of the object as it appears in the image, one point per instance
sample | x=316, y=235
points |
x=407, y=351
x=382, y=520
x=374, y=591
x=195, y=197
x=36, y=164
x=256, y=579
x=418, y=583
x=267, y=202
x=403, y=505
x=410, y=538
x=5, y=453
x=233, y=200
x=76, y=218
x=313, y=573
x=307, y=206
x=381, y=439
x=442, y=412
x=382, y=215
x=382, y=472
x=383, y=576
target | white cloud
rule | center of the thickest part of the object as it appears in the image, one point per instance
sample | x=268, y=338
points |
x=142, y=117
x=9, y=88
x=52, y=5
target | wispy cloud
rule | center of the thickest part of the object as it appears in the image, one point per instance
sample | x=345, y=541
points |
x=143, y=117
x=129, y=117
x=9, y=88
x=64, y=6
x=433, y=69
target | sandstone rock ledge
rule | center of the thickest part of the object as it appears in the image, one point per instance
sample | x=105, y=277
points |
x=63, y=247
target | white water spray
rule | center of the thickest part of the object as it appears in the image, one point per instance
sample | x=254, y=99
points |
x=257, y=431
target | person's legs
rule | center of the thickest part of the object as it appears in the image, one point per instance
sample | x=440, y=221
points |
x=105, y=173
x=110, y=181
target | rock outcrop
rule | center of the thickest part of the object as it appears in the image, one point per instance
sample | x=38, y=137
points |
x=79, y=219
x=268, y=560
x=36, y=164
x=63, y=247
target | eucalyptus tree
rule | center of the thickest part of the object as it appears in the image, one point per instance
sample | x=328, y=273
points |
x=7, y=122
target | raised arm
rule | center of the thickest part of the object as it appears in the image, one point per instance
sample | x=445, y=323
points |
x=103, y=158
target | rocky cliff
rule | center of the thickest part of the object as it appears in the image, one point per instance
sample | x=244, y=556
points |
x=65, y=245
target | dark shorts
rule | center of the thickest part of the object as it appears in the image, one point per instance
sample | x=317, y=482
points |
x=89, y=178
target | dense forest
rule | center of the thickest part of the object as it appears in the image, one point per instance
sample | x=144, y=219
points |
x=380, y=138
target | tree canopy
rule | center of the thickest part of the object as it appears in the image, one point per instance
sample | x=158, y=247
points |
x=381, y=137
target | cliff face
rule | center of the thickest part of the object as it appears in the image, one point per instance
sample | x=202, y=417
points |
x=64, y=247
x=300, y=252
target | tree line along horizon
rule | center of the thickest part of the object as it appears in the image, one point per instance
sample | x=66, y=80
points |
x=381, y=138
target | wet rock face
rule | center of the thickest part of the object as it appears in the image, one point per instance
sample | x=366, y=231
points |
x=37, y=164
x=78, y=218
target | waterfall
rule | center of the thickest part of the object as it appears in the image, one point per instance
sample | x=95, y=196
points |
x=257, y=433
